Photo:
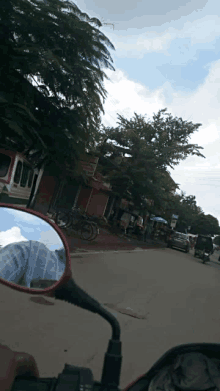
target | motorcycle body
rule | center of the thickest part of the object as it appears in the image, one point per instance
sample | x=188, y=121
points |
x=203, y=248
x=206, y=256
x=169, y=366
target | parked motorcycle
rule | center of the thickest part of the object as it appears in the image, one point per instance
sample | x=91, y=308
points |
x=185, y=367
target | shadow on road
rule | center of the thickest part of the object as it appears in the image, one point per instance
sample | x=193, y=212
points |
x=213, y=259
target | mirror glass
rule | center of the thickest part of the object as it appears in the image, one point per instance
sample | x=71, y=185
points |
x=32, y=253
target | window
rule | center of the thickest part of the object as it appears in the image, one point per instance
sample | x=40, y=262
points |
x=5, y=162
x=24, y=176
x=30, y=180
x=17, y=176
x=179, y=236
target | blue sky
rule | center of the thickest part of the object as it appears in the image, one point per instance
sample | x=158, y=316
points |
x=168, y=55
x=16, y=226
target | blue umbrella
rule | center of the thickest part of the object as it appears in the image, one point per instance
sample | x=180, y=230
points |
x=159, y=220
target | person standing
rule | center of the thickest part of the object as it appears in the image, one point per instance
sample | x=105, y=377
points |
x=192, y=243
x=170, y=233
x=139, y=226
x=153, y=230
x=145, y=233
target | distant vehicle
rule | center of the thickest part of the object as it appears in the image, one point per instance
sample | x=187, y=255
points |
x=203, y=248
x=179, y=240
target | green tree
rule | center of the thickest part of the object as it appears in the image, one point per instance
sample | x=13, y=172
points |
x=190, y=214
x=138, y=153
x=186, y=208
x=189, y=210
x=206, y=225
x=51, y=78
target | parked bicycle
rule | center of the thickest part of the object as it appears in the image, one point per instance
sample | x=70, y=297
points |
x=93, y=221
x=78, y=222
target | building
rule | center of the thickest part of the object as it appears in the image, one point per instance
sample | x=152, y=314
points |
x=59, y=191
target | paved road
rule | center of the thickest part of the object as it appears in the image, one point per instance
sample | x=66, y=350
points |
x=161, y=298
x=213, y=259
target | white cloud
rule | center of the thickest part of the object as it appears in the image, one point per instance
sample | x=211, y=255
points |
x=126, y=96
x=23, y=216
x=11, y=236
x=200, y=31
x=196, y=176
x=51, y=239
x=202, y=106
x=20, y=214
x=207, y=135
x=137, y=46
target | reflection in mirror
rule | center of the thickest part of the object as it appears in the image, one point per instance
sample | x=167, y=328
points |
x=31, y=251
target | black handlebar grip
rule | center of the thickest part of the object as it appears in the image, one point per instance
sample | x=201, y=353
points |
x=41, y=384
x=34, y=384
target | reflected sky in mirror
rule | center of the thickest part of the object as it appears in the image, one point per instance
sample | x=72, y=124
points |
x=17, y=226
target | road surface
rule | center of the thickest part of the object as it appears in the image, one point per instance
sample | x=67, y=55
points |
x=161, y=298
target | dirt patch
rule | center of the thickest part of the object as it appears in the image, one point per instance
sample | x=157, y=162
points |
x=126, y=311
x=40, y=300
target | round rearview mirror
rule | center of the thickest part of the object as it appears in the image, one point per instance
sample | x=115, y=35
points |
x=32, y=254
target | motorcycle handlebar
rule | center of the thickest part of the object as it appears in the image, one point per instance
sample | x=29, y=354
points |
x=50, y=384
x=33, y=384
x=72, y=378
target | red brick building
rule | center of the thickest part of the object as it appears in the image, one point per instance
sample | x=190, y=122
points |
x=57, y=191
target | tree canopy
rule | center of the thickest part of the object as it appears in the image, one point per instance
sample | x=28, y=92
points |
x=51, y=77
x=138, y=153
x=205, y=225
x=186, y=208
x=191, y=215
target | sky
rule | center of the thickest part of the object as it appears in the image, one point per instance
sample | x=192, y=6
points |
x=17, y=226
x=167, y=55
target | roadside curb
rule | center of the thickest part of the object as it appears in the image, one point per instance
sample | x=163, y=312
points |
x=129, y=250
x=106, y=241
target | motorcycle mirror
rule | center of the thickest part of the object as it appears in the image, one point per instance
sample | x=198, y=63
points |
x=34, y=258
x=34, y=255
